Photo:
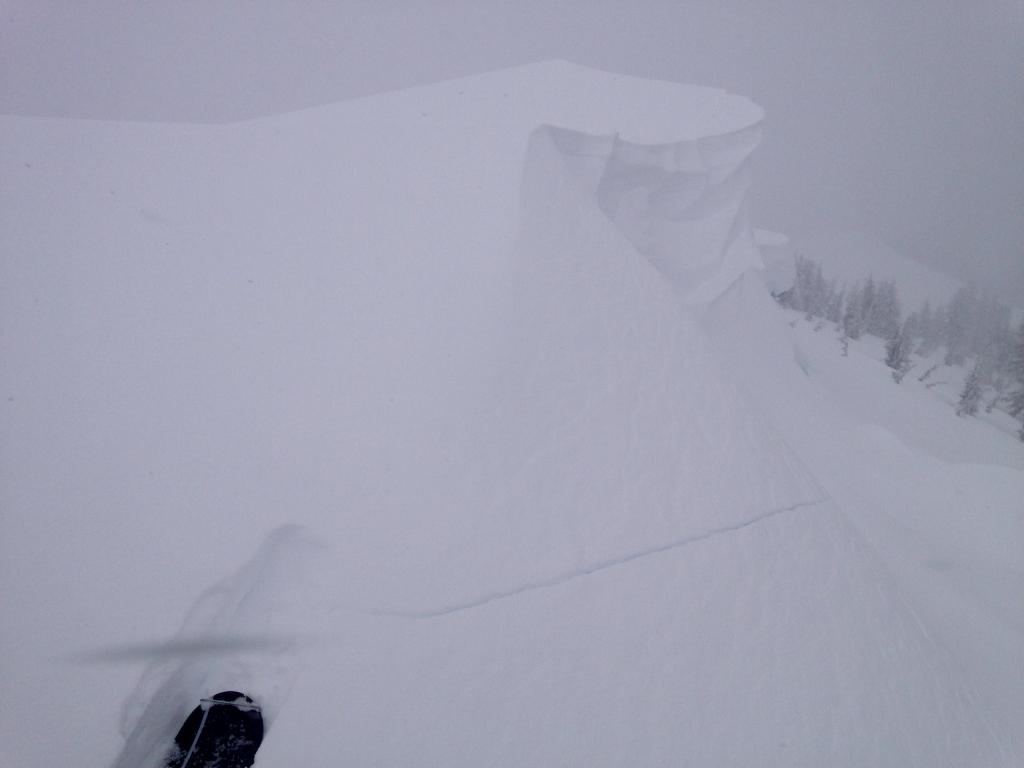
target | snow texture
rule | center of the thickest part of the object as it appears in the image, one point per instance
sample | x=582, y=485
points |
x=501, y=347
x=242, y=631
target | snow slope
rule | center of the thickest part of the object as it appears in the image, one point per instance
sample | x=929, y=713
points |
x=920, y=413
x=937, y=497
x=461, y=334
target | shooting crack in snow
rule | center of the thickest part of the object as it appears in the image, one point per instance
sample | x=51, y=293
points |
x=603, y=565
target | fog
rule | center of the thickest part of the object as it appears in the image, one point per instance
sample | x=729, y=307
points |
x=901, y=119
x=492, y=421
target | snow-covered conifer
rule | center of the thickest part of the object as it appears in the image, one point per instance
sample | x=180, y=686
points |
x=853, y=319
x=1015, y=371
x=796, y=296
x=926, y=330
x=959, y=319
x=868, y=294
x=884, y=320
x=897, y=354
x=970, y=395
x=834, y=305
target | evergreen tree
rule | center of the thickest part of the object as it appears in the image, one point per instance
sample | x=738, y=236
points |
x=853, y=319
x=959, y=322
x=897, y=354
x=938, y=327
x=970, y=395
x=926, y=330
x=811, y=293
x=798, y=295
x=884, y=320
x=993, y=339
x=912, y=325
x=994, y=401
x=1015, y=372
x=817, y=292
x=868, y=294
x=834, y=305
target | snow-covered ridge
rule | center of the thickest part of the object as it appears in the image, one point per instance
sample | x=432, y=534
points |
x=389, y=246
x=561, y=93
x=459, y=333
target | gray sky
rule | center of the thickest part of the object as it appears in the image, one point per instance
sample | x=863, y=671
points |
x=902, y=118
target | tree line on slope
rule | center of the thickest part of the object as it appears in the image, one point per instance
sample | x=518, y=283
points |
x=968, y=328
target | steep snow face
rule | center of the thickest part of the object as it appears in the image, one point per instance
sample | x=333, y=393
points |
x=456, y=333
x=682, y=204
x=603, y=427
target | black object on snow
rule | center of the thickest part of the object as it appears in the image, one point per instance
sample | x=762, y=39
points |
x=224, y=731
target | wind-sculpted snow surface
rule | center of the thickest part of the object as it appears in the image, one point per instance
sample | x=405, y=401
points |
x=781, y=643
x=681, y=204
x=457, y=332
x=605, y=427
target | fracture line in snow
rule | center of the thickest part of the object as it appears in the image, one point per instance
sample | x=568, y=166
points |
x=603, y=565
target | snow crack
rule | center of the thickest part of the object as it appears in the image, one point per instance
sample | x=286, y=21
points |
x=602, y=565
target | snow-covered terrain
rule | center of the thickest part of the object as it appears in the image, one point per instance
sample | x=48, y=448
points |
x=558, y=482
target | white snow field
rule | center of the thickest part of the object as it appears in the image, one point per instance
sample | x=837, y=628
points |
x=534, y=470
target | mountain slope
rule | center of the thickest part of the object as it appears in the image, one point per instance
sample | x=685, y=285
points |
x=458, y=333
